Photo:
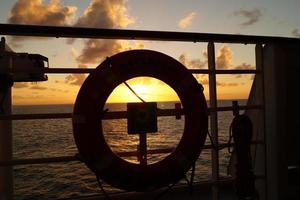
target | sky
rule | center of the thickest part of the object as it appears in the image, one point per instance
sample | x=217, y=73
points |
x=256, y=17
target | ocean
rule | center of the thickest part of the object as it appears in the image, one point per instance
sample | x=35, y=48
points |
x=53, y=137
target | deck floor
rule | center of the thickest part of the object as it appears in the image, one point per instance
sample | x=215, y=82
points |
x=181, y=192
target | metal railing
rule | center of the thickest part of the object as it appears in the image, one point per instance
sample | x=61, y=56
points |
x=47, y=31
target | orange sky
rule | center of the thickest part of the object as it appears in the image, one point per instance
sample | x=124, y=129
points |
x=56, y=92
x=82, y=53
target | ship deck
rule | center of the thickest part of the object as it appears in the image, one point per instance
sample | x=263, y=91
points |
x=178, y=192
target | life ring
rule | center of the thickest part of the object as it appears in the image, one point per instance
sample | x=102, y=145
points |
x=87, y=125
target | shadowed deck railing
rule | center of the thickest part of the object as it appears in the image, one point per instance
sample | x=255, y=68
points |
x=74, y=32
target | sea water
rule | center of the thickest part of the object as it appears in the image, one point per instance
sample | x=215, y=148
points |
x=53, y=137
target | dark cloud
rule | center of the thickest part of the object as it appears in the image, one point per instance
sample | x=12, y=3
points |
x=205, y=81
x=192, y=64
x=33, y=86
x=296, y=32
x=195, y=64
x=58, y=90
x=233, y=84
x=251, y=16
x=18, y=85
x=95, y=50
x=244, y=66
x=100, y=14
x=75, y=79
x=223, y=61
x=37, y=87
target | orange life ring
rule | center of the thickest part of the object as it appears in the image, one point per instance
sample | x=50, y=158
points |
x=87, y=125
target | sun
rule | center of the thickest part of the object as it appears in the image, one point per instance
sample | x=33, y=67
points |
x=141, y=89
x=149, y=89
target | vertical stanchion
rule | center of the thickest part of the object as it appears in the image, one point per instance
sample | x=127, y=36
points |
x=143, y=148
x=260, y=82
x=213, y=119
x=6, y=172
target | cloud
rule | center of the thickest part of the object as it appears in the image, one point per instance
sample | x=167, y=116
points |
x=37, y=12
x=75, y=79
x=192, y=64
x=58, y=90
x=105, y=14
x=94, y=50
x=187, y=20
x=205, y=81
x=18, y=85
x=74, y=52
x=251, y=16
x=224, y=58
x=224, y=61
x=233, y=84
x=37, y=87
x=201, y=78
x=33, y=86
x=100, y=14
x=244, y=66
x=296, y=32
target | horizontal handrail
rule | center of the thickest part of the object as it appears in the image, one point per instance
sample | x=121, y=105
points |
x=224, y=71
x=30, y=161
x=81, y=32
x=66, y=70
x=116, y=114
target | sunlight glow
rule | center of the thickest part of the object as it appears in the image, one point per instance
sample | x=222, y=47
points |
x=142, y=89
x=150, y=89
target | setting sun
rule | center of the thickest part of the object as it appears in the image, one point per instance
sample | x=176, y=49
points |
x=149, y=89
x=141, y=89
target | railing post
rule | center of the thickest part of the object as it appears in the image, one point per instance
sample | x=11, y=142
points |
x=260, y=82
x=213, y=119
x=142, y=149
x=6, y=172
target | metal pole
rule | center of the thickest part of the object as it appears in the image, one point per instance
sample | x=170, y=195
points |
x=143, y=148
x=6, y=172
x=81, y=32
x=260, y=81
x=213, y=119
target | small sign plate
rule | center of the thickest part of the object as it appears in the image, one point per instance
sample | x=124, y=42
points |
x=142, y=118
